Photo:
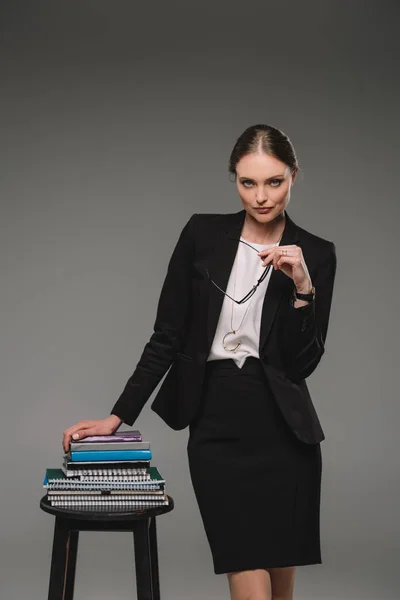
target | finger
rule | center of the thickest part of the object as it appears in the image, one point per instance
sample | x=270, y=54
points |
x=66, y=437
x=280, y=252
x=82, y=433
x=71, y=431
x=265, y=261
x=65, y=443
x=67, y=433
x=79, y=435
x=268, y=256
x=66, y=440
x=275, y=261
x=79, y=425
x=286, y=253
x=266, y=251
x=293, y=261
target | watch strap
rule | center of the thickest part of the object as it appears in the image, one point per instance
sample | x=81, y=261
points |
x=307, y=297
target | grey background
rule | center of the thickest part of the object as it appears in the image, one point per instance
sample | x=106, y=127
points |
x=116, y=125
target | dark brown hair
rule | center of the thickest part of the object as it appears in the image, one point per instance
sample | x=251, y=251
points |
x=267, y=138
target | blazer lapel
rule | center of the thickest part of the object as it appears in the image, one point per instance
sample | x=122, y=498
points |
x=226, y=241
x=225, y=246
x=278, y=284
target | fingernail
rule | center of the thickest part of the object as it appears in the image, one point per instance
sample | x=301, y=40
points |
x=75, y=436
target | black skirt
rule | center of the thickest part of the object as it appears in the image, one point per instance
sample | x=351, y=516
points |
x=257, y=486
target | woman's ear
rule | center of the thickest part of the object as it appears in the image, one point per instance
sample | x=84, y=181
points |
x=294, y=174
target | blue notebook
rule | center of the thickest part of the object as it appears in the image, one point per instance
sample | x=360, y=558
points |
x=102, y=455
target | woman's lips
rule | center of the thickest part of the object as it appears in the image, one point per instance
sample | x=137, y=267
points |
x=262, y=210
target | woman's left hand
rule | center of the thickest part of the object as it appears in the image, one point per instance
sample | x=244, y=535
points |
x=290, y=260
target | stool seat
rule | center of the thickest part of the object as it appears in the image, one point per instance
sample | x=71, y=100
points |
x=68, y=524
x=105, y=514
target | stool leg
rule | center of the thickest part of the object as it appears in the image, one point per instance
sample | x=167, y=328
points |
x=141, y=544
x=63, y=561
x=71, y=564
x=154, y=559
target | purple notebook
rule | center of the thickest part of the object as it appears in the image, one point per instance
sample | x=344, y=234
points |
x=118, y=436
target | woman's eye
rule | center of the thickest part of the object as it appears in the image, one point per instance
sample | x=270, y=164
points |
x=274, y=182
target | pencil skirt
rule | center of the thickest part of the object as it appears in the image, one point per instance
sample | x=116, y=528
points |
x=256, y=484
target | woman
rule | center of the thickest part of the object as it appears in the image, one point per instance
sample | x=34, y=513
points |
x=241, y=322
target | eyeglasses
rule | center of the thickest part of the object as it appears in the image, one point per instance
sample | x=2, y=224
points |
x=255, y=286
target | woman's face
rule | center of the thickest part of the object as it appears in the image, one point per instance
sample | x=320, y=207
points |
x=263, y=182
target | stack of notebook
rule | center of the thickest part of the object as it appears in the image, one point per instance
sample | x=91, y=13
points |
x=107, y=472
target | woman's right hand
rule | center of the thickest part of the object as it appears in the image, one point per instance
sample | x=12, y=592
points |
x=84, y=428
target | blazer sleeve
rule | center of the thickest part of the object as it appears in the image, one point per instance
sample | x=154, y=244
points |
x=160, y=351
x=305, y=328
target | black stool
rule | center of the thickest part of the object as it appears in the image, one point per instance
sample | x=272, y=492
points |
x=69, y=523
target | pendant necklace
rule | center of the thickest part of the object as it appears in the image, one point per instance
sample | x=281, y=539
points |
x=233, y=331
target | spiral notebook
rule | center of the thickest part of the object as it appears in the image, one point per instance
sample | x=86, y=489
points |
x=55, y=479
x=107, y=499
x=127, y=467
x=134, y=494
x=107, y=474
x=118, y=505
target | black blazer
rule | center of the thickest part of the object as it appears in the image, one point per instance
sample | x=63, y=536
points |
x=292, y=340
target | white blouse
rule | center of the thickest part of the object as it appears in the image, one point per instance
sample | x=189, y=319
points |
x=249, y=270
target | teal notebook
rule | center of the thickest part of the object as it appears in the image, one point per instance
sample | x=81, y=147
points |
x=101, y=455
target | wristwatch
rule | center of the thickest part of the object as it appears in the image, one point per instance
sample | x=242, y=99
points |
x=307, y=297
